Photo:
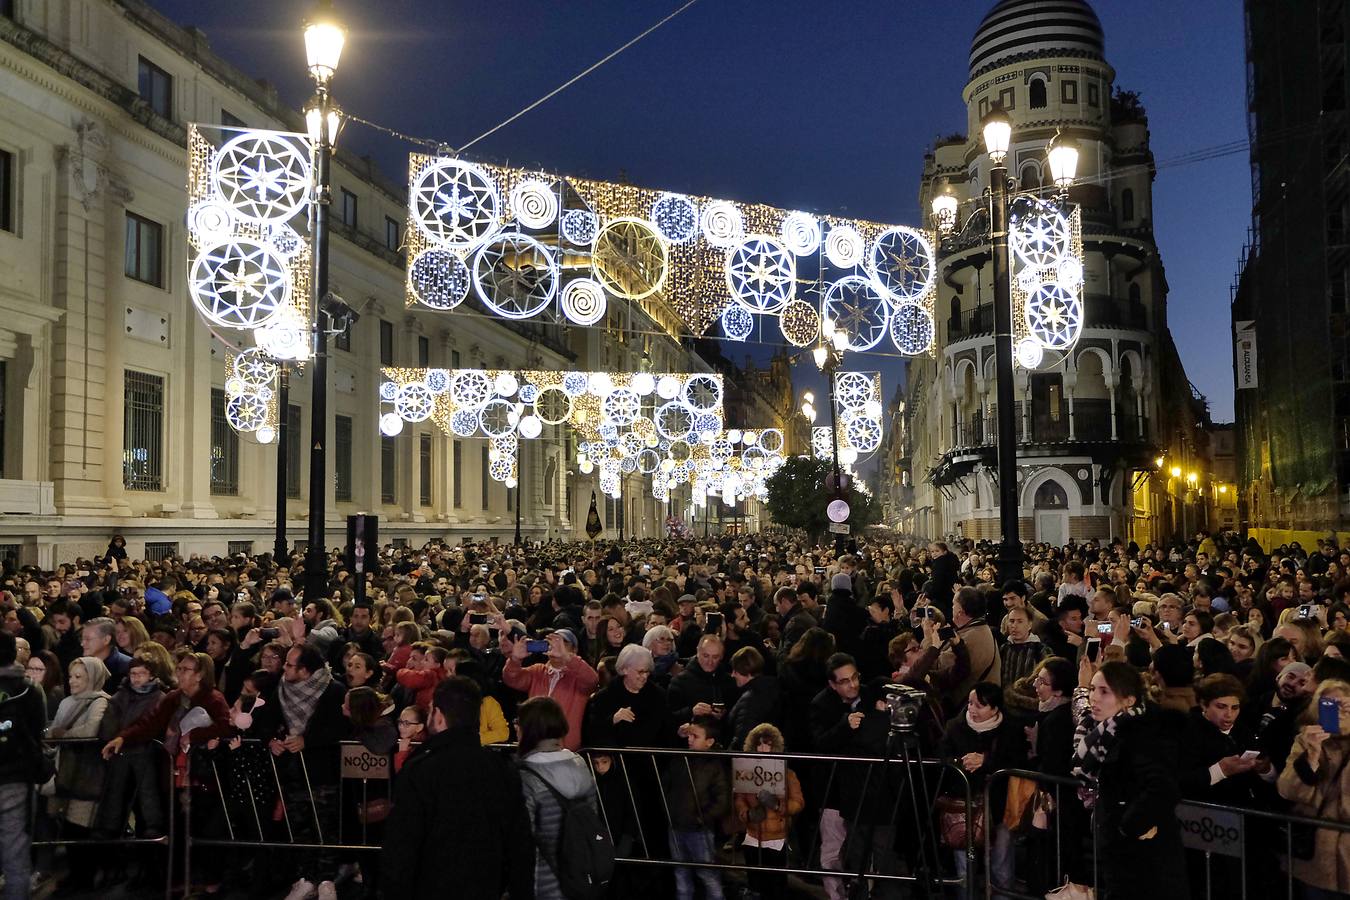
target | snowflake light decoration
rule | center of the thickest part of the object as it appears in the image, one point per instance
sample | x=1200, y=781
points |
x=737, y=322
x=239, y=283
x=439, y=278
x=761, y=274
x=515, y=275
x=702, y=393
x=580, y=226
x=903, y=264
x=676, y=217
x=1054, y=317
x=263, y=176
x=1040, y=238
x=630, y=258
x=455, y=203
x=856, y=308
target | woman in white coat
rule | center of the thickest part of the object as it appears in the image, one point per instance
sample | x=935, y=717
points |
x=79, y=769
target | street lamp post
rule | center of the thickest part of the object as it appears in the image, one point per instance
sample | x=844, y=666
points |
x=828, y=355
x=324, y=39
x=1062, y=156
x=281, y=552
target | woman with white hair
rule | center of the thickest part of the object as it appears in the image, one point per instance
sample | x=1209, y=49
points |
x=660, y=640
x=631, y=711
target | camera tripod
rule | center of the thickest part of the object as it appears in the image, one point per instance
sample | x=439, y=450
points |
x=903, y=743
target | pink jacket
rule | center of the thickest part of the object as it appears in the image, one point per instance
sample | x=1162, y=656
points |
x=572, y=690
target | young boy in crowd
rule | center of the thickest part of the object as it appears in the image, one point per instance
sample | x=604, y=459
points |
x=698, y=798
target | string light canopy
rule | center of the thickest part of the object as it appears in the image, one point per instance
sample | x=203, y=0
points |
x=524, y=236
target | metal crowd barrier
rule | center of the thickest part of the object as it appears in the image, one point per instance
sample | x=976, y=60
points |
x=1212, y=835
x=163, y=758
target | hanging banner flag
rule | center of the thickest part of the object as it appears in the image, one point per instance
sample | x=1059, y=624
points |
x=593, y=526
x=1245, y=354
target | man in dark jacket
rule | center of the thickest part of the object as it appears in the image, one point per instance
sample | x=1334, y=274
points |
x=943, y=570
x=758, y=702
x=23, y=715
x=703, y=688
x=459, y=825
x=843, y=617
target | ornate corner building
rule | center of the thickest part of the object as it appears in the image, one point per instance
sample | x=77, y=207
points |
x=1101, y=430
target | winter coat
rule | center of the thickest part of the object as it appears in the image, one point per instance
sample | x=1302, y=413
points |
x=859, y=791
x=651, y=728
x=1321, y=794
x=694, y=686
x=757, y=704
x=80, y=770
x=873, y=657
x=422, y=684
x=21, y=702
x=1203, y=747
x=155, y=722
x=1020, y=660
x=1003, y=747
x=572, y=690
x=845, y=619
x=570, y=776
x=128, y=706
x=984, y=661
x=698, y=794
x=323, y=733
x=492, y=725
x=774, y=826
x=799, y=681
x=459, y=826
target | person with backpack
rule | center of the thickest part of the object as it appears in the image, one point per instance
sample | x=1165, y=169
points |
x=23, y=718
x=575, y=859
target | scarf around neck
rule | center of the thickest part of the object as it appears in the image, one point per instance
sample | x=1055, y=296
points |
x=1053, y=703
x=300, y=698
x=1094, y=740
x=987, y=725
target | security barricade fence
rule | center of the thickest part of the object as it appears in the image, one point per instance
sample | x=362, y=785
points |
x=128, y=801
x=1231, y=852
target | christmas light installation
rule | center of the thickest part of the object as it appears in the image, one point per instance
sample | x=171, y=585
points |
x=250, y=403
x=1047, y=278
x=761, y=274
x=856, y=308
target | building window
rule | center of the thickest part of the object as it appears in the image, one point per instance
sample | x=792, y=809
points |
x=7, y=8
x=1094, y=94
x=391, y=233
x=4, y=382
x=1031, y=177
x=142, y=431
x=984, y=107
x=456, y=473
x=343, y=339
x=423, y=351
x=388, y=470
x=424, y=468
x=342, y=458
x=145, y=245
x=1006, y=98
x=230, y=120
x=236, y=548
x=224, y=449
x=348, y=208
x=484, y=482
x=386, y=343
x=293, y=445
x=1068, y=91
x=1036, y=94
x=1127, y=205
x=155, y=87
x=158, y=551
x=6, y=191
x=454, y=359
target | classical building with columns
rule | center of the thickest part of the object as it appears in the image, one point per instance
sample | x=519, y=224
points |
x=111, y=385
x=1101, y=429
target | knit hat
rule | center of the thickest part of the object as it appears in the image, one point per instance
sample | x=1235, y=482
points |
x=841, y=582
x=567, y=635
x=1294, y=668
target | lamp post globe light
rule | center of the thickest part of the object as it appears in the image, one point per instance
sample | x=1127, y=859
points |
x=1062, y=156
x=324, y=40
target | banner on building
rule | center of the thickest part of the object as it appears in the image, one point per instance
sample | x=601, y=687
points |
x=1245, y=355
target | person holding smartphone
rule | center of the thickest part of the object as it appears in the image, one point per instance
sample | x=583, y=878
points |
x=1316, y=779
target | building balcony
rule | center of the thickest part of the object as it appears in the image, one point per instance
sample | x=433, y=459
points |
x=1100, y=311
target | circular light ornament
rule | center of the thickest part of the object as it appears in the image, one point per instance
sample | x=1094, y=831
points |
x=553, y=406
x=737, y=322
x=496, y=418
x=668, y=388
x=464, y=422
x=872, y=409
x=857, y=309
x=902, y=263
x=390, y=424
x=800, y=323
x=702, y=393
x=502, y=469
x=471, y=388
x=246, y=412
x=1030, y=354
x=437, y=380
x=285, y=336
x=455, y=204
x=844, y=246
x=439, y=278
x=674, y=421
x=621, y=407
x=285, y=240
x=722, y=224
x=863, y=434
x=388, y=390
x=530, y=427
x=1070, y=273
x=630, y=259
x=414, y=402
x=576, y=383
x=853, y=390
x=801, y=233
x=534, y=203
x=239, y=283
x=211, y=221
x=253, y=369
x=583, y=301
x=586, y=467
x=1054, y=316
x=848, y=456
x=580, y=226
x=515, y=275
x=600, y=384
x=1041, y=238
x=912, y=329
x=771, y=439
x=262, y=176
x=266, y=434
x=761, y=273
x=506, y=384
x=675, y=217
x=647, y=461
x=528, y=392
x=643, y=383
x=837, y=511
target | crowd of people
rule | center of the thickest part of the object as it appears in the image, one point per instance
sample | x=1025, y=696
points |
x=511, y=689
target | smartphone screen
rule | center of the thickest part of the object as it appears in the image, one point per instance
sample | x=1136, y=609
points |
x=714, y=621
x=477, y=618
x=1103, y=627
x=946, y=632
x=536, y=646
x=1094, y=646
x=1329, y=715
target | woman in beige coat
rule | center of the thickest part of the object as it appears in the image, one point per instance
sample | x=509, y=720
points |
x=1317, y=780
x=79, y=778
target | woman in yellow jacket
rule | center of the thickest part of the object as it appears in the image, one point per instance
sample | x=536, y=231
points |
x=492, y=724
x=766, y=819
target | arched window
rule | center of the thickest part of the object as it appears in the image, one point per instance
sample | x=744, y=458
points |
x=1127, y=205
x=1051, y=495
x=1037, y=91
x=1031, y=177
x=954, y=324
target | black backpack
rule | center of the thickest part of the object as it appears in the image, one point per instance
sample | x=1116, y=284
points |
x=584, y=862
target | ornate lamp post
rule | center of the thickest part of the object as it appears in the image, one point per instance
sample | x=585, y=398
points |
x=828, y=355
x=324, y=39
x=1062, y=156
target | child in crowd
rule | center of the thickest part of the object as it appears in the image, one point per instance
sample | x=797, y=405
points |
x=698, y=797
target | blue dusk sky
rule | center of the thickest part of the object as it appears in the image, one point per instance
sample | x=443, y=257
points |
x=826, y=107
